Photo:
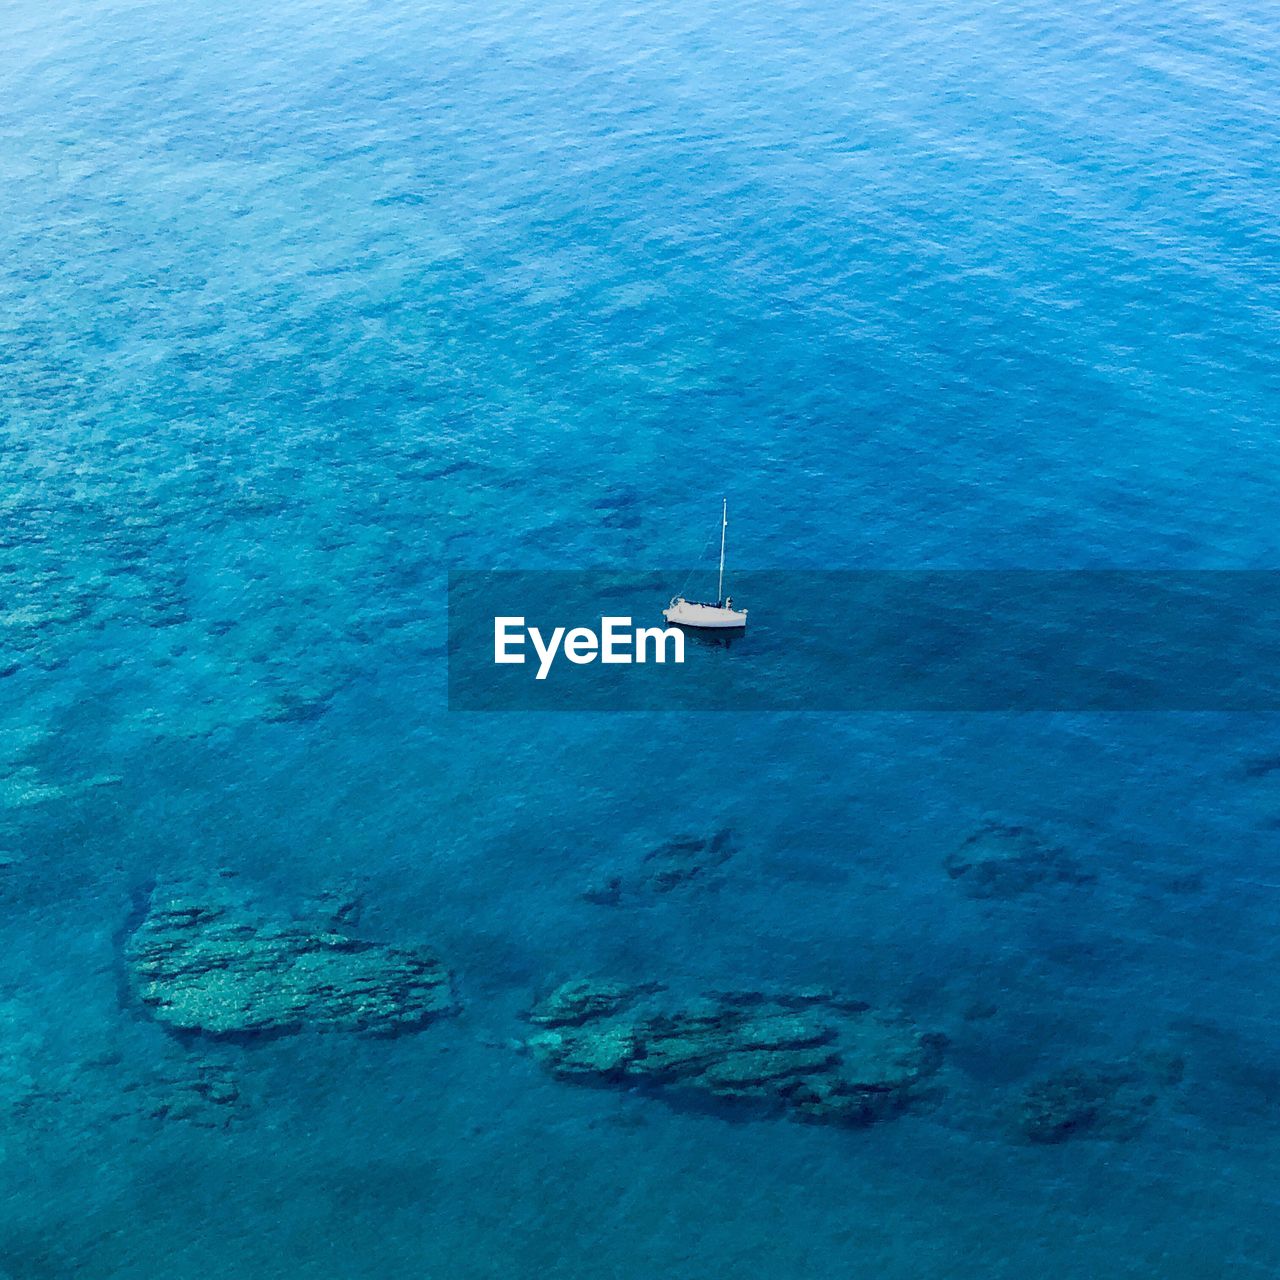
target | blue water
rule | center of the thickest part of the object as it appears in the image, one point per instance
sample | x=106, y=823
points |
x=303, y=305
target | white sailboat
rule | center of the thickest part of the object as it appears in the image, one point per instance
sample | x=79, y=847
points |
x=719, y=616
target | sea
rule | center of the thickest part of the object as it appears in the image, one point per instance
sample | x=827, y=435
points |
x=304, y=306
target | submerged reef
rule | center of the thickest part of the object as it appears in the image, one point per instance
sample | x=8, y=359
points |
x=685, y=859
x=805, y=1055
x=1003, y=861
x=50, y=1084
x=681, y=862
x=205, y=1095
x=1096, y=1101
x=203, y=961
x=208, y=1096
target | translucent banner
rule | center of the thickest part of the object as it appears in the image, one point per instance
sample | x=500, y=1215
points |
x=954, y=641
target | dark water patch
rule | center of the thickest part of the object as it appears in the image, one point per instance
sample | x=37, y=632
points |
x=411, y=199
x=1002, y=860
x=686, y=860
x=1234, y=1074
x=796, y=867
x=620, y=508
x=679, y=863
x=451, y=469
x=298, y=709
x=1261, y=766
x=139, y=905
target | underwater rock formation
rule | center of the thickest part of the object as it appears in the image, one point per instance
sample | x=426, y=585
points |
x=677, y=863
x=685, y=859
x=207, y=1097
x=45, y=1089
x=1109, y=1101
x=1002, y=861
x=804, y=1055
x=201, y=961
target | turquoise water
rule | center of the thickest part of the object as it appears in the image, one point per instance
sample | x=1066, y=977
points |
x=303, y=306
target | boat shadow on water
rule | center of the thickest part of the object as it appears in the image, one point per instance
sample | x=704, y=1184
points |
x=710, y=638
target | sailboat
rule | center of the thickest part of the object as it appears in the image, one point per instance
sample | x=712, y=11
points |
x=719, y=616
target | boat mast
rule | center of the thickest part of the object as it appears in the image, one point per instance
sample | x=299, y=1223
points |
x=724, y=524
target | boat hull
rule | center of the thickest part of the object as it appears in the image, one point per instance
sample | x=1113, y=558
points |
x=709, y=617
